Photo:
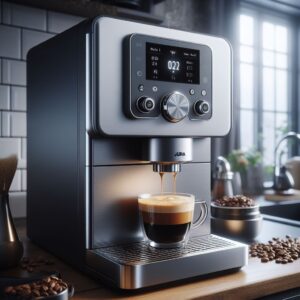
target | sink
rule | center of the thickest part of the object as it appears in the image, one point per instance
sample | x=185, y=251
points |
x=287, y=211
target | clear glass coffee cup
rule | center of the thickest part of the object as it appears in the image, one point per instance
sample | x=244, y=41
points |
x=167, y=218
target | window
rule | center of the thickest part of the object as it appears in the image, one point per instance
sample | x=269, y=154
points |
x=264, y=84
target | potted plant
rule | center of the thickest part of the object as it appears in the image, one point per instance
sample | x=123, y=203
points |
x=247, y=166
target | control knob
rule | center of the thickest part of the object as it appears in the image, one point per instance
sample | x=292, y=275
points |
x=145, y=104
x=175, y=107
x=201, y=107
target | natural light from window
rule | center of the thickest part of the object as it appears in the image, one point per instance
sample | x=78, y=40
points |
x=264, y=80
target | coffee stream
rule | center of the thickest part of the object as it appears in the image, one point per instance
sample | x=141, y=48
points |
x=162, y=174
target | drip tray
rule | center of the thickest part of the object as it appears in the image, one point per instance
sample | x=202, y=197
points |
x=138, y=265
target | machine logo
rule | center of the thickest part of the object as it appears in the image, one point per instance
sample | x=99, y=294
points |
x=179, y=154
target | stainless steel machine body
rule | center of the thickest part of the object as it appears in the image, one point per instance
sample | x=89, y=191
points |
x=103, y=114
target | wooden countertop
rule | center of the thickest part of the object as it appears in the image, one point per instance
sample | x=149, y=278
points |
x=255, y=280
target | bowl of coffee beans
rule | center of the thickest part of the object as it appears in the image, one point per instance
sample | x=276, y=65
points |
x=48, y=288
x=237, y=217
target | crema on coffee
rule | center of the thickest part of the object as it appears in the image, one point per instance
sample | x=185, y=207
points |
x=167, y=218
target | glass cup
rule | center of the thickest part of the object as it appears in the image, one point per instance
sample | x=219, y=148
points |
x=168, y=218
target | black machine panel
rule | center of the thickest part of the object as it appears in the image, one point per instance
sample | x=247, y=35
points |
x=174, y=64
x=159, y=67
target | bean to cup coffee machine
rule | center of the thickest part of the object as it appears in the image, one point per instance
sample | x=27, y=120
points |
x=110, y=104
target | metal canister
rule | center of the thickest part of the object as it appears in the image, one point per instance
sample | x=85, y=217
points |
x=240, y=223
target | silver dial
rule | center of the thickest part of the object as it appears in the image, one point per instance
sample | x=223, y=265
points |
x=175, y=107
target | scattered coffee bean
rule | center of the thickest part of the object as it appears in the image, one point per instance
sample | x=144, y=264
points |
x=283, y=251
x=235, y=201
x=34, y=264
x=48, y=286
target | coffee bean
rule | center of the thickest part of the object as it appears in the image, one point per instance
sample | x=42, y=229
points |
x=36, y=293
x=282, y=250
x=235, y=201
x=31, y=264
x=8, y=289
x=43, y=288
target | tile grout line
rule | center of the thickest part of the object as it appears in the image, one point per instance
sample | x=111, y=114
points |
x=1, y=10
x=21, y=43
x=13, y=137
x=32, y=28
x=13, y=110
x=28, y=28
x=13, y=58
x=9, y=103
x=13, y=84
x=47, y=18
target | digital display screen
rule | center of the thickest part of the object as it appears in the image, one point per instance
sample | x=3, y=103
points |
x=174, y=64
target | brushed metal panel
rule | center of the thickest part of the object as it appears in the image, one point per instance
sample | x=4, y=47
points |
x=106, y=151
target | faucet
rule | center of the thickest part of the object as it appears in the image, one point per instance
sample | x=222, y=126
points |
x=283, y=179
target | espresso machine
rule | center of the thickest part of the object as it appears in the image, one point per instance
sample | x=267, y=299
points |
x=112, y=103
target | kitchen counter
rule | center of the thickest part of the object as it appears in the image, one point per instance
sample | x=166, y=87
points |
x=255, y=280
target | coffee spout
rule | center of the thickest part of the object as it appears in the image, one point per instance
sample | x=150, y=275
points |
x=167, y=154
x=166, y=167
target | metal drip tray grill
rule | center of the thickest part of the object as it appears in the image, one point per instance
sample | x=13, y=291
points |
x=141, y=253
x=138, y=265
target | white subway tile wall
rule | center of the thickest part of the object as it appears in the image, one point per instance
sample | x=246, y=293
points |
x=5, y=123
x=13, y=71
x=58, y=22
x=21, y=28
x=4, y=97
x=12, y=37
x=18, y=15
x=18, y=98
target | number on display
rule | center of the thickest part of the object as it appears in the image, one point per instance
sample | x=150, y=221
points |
x=173, y=65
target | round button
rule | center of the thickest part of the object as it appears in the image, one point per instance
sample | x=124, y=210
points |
x=149, y=104
x=154, y=88
x=201, y=107
x=139, y=73
x=141, y=87
x=145, y=104
x=203, y=92
x=192, y=92
x=175, y=107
